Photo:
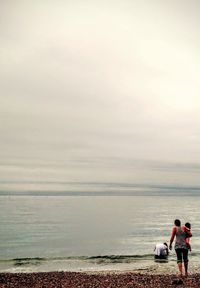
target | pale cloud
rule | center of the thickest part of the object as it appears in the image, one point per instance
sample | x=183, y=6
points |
x=97, y=80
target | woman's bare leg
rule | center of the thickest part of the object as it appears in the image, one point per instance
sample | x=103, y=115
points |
x=180, y=268
x=186, y=268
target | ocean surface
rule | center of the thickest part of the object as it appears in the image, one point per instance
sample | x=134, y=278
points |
x=92, y=226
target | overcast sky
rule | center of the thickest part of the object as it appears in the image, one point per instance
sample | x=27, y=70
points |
x=100, y=90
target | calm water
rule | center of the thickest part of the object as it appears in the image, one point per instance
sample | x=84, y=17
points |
x=44, y=233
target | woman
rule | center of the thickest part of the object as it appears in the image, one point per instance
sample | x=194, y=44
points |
x=181, y=246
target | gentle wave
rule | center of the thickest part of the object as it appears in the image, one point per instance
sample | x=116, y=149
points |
x=96, y=259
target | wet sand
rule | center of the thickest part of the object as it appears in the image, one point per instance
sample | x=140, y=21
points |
x=94, y=280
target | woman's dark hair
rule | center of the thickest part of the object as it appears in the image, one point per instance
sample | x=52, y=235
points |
x=188, y=225
x=177, y=222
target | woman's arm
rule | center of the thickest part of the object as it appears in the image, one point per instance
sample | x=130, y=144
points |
x=172, y=237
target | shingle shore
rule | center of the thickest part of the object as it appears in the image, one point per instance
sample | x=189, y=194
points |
x=95, y=280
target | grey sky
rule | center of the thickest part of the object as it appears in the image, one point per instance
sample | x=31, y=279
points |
x=108, y=90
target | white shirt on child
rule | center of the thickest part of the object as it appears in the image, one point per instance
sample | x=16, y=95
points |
x=160, y=249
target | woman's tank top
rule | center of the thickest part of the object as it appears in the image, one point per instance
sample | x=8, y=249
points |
x=180, y=239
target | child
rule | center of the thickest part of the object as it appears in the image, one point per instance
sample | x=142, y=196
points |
x=161, y=251
x=187, y=239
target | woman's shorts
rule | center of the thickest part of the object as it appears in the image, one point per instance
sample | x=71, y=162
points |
x=182, y=255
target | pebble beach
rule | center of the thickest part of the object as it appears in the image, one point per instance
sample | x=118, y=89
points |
x=95, y=280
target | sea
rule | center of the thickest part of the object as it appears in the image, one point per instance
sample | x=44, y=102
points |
x=93, y=226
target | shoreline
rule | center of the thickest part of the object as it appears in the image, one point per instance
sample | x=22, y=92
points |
x=96, y=279
x=142, y=267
